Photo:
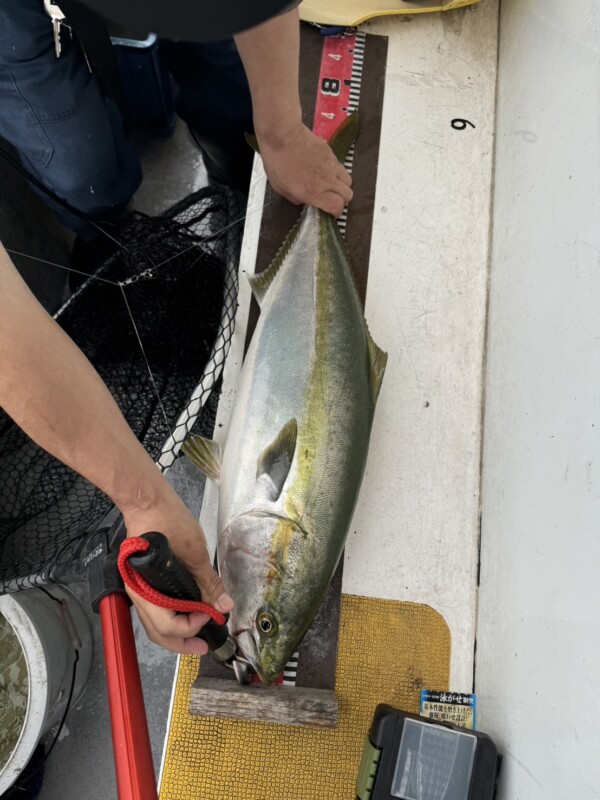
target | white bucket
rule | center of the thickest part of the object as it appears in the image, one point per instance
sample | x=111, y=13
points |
x=37, y=652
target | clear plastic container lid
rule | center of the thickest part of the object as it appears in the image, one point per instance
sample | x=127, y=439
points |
x=434, y=763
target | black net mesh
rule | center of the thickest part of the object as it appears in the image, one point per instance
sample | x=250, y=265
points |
x=175, y=276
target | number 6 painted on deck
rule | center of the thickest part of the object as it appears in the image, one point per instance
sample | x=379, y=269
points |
x=461, y=124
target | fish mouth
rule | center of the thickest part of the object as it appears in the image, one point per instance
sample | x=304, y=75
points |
x=247, y=647
x=268, y=677
x=249, y=651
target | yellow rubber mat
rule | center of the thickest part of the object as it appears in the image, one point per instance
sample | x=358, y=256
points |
x=388, y=651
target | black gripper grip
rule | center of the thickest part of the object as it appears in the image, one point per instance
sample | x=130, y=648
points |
x=161, y=568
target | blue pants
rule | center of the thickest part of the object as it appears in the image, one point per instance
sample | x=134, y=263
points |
x=70, y=136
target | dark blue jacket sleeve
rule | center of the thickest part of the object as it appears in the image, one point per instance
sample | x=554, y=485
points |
x=190, y=20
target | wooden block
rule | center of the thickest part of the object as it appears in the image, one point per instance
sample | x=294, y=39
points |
x=286, y=705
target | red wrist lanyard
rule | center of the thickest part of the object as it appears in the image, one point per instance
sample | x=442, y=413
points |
x=140, y=586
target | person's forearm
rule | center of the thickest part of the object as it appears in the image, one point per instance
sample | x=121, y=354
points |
x=271, y=55
x=50, y=389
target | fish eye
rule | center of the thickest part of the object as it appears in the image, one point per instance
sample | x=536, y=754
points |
x=266, y=622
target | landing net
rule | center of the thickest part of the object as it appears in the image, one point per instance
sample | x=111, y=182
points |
x=178, y=274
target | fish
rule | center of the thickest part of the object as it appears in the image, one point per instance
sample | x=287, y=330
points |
x=294, y=455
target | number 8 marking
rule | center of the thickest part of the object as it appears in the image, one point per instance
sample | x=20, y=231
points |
x=330, y=86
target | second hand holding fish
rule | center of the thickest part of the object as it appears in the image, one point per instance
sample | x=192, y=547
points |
x=299, y=165
x=304, y=169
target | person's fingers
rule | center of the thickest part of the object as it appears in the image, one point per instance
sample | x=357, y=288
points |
x=308, y=172
x=344, y=175
x=159, y=632
x=334, y=201
x=212, y=588
x=195, y=647
x=169, y=623
x=330, y=202
x=195, y=555
x=345, y=192
x=177, y=632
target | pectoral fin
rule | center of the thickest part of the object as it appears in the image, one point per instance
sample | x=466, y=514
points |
x=275, y=460
x=378, y=360
x=204, y=454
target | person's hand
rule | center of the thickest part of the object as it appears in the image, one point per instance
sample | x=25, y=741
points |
x=177, y=632
x=303, y=168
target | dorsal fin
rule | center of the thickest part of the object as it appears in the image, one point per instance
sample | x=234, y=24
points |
x=260, y=283
x=274, y=462
x=378, y=359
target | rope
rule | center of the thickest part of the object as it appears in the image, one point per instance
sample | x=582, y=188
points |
x=140, y=586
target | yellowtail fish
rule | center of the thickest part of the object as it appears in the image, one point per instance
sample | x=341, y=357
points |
x=297, y=442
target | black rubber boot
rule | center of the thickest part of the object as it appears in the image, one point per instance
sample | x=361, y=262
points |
x=213, y=99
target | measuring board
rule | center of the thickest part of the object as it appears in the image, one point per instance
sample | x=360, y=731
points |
x=338, y=76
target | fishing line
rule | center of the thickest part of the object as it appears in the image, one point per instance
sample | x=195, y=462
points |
x=214, y=237
x=155, y=387
x=60, y=266
x=150, y=373
x=149, y=273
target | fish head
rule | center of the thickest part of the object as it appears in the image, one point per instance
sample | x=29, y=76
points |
x=256, y=559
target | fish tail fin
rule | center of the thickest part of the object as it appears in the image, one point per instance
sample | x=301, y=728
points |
x=343, y=139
